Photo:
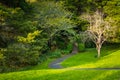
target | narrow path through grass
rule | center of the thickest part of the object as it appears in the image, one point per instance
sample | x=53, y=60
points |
x=56, y=63
x=109, y=59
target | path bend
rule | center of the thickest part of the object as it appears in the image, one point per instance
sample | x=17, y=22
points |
x=56, y=63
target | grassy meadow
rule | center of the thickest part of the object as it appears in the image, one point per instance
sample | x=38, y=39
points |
x=109, y=59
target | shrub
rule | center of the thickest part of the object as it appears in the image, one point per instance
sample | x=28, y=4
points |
x=65, y=52
x=81, y=47
x=18, y=55
x=89, y=44
x=70, y=47
x=42, y=58
x=2, y=57
x=55, y=54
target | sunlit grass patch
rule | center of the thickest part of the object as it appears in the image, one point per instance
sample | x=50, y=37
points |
x=109, y=59
x=62, y=74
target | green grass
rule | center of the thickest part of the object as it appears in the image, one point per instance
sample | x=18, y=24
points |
x=43, y=65
x=109, y=58
x=62, y=74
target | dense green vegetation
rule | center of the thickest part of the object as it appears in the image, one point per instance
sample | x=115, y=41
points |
x=27, y=37
x=35, y=32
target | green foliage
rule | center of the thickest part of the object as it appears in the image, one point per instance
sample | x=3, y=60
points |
x=79, y=6
x=112, y=10
x=48, y=16
x=17, y=3
x=10, y=24
x=30, y=37
x=52, y=20
x=42, y=58
x=81, y=47
x=53, y=17
x=8, y=15
x=65, y=52
x=23, y=21
x=55, y=54
x=2, y=57
x=17, y=55
x=58, y=53
x=70, y=47
x=89, y=44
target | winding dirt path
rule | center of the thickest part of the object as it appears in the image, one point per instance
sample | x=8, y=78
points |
x=56, y=63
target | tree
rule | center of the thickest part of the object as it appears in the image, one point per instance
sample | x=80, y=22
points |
x=23, y=4
x=99, y=30
x=52, y=19
x=112, y=10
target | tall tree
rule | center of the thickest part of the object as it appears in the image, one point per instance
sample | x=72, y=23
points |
x=112, y=11
x=52, y=19
x=23, y=4
x=99, y=30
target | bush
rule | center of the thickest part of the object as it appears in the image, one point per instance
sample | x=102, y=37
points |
x=89, y=44
x=65, y=52
x=18, y=55
x=55, y=54
x=81, y=47
x=69, y=47
x=2, y=57
x=42, y=58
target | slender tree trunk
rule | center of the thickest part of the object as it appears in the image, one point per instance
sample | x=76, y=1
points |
x=75, y=48
x=99, y=49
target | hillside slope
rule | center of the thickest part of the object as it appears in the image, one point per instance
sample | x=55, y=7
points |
x=108, y=61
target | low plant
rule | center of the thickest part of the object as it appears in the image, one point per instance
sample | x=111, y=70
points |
x=55, y=54
x=81, y=47
x=19, y=55
x=69, y=47
x=65, y=51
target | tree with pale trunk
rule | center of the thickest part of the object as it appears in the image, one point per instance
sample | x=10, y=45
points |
x=99, y=30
